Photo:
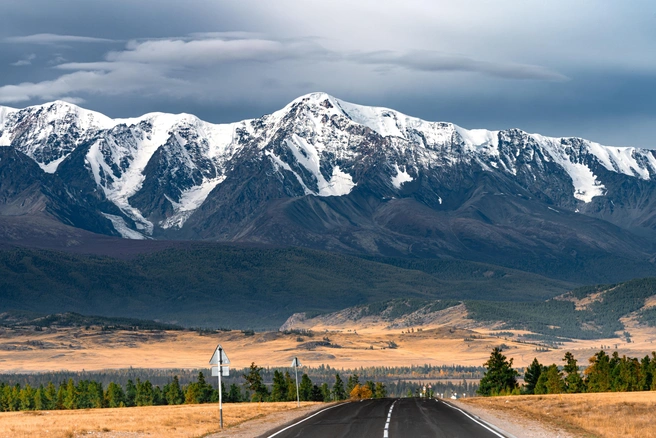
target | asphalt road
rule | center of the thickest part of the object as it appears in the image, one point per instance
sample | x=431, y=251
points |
x=393, y=418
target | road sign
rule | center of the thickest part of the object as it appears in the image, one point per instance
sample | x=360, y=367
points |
x=215, y=357
x=215, y=371
x=219, y=358
x=297, y=363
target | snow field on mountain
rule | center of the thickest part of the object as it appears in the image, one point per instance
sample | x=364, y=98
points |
x=324, y=136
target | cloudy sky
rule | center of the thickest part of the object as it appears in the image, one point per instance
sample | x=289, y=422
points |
x=564, y=68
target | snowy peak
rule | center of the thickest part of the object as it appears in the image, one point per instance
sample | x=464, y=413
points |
x=158, y=169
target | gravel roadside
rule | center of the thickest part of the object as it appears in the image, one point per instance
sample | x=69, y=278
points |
x=259, y=426
x=516, y=426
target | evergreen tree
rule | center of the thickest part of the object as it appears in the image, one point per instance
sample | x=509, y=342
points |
x=353, y=380
x=598, y=373
x=646, y=375
x=40, y=399
x=173, y=393
x=338, y=388
x=27, y=398
x=380, y=391
x=316, y=394
x=573, y=380
x=325, y=392
x=50, y=396
x=130, y=393
x=144, y=396
x=70, y=395
x=499, y=377
x=305, y=388
x=234, y=395
x=114, y=396
x=279, y=390
x=291, y=386
x=95, y=397
x=532, y=375
x=254, y=383
x=554, y=383
x=193, y=393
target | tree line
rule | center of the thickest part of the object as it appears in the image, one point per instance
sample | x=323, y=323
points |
x=86, y=394
x=604, y=373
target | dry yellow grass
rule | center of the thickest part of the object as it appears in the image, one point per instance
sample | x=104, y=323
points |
x=156, y=421
x=628, y=414
x=77, y=349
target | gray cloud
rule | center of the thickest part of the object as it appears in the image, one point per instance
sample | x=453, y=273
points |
x=431, y=61
x=50, y=38
x=161, y=60
x=27, y=60
x=557, y=67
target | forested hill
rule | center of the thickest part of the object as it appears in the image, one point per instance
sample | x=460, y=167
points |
x=591, y=312
x=228, y=286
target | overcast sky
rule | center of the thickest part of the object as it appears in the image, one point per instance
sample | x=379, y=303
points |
x=563, y=68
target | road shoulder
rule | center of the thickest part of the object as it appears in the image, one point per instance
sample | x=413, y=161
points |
x=259, y=427
x=516, y=425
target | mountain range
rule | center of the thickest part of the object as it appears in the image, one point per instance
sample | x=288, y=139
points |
x=326, y=174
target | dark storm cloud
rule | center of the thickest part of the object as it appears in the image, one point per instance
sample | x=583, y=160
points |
x=559, y=67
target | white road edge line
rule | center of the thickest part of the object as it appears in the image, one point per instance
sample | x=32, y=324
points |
x=304, y=419
x=481, y=422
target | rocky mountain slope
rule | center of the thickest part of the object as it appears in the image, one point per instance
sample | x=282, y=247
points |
x=327, y=174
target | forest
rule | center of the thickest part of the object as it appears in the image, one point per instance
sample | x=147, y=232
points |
x=603, y=373
x=86, y=393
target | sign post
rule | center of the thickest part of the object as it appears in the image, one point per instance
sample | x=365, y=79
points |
x=219, y=358
x=296, y=364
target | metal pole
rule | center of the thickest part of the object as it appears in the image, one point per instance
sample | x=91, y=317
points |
x=298, y=397
x=220, y=391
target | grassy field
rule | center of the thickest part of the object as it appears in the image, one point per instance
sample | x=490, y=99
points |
x=628, y=414
x=159, y=421
x=365, y=343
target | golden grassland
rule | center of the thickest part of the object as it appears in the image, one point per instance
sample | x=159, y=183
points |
x=366, y=344
x=156, y=421
x=626, y=414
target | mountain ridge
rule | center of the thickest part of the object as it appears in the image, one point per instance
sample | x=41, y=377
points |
x=327, y=174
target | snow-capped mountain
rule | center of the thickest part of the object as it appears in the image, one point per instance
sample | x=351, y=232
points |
x=326, y=173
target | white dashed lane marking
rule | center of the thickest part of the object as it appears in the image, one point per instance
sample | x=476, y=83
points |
x=389, y=417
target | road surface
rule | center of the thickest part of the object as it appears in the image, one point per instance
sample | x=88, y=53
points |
x=392, y=418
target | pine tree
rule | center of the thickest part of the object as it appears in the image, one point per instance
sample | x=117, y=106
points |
x=130, y=393
x=70, y=395
x=144, y=396
x=573, y=380
x=325, y=392
x=499, y=377
x=254, y=383
x=381, y=391
x=291, y=386
x=50, y=396
x=114, y=396
x=234, y=395
x=338, y=388
x=305, y=388
x=27, y=398
x=598, y=373
x=554, y=381
x=353, y=380
x=279, y=390
x=316, y=394
x=532, y=375
x=173, y=393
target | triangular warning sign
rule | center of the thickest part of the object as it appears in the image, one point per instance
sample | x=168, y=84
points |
x=215, y=357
